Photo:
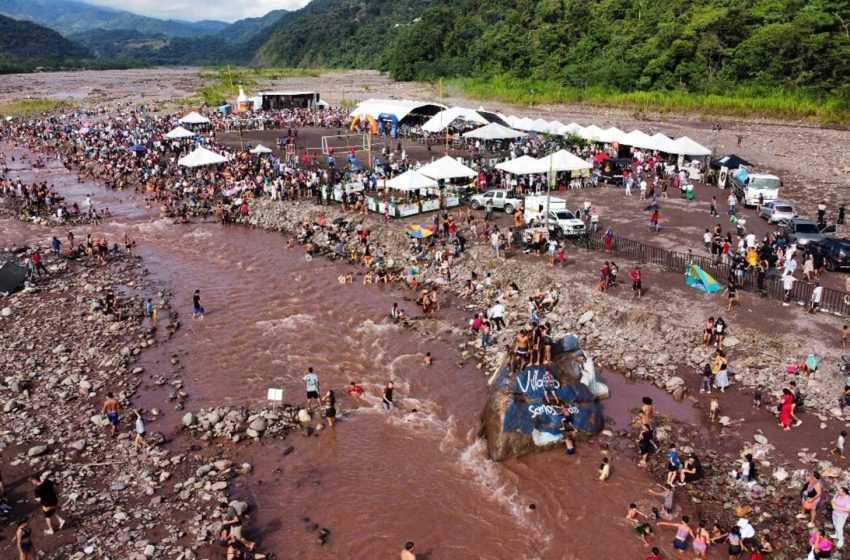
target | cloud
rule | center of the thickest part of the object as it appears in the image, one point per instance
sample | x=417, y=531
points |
x=194, y=10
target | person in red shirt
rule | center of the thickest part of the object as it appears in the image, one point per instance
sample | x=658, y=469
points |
x=354, y=390
x=38, y=265
x=637, y=288
x=656, y=554
x=604, y=273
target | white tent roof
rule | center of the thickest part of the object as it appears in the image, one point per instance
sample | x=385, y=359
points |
x=444, y=118
x=523, y=165
x=555, y=126
x=260, y=149
x=638, y=139
x=591, y=132
x=446, y=168
x=194, y=118
x=494, y=131
x=524, y=124
x=660, y=142
x=562, y=160
x=611, y=135
x=539, y=125
x=201, y=157
x=574, y=127
x=180, y=132
x=686, y=146
x=399, y=108
x=411, y=180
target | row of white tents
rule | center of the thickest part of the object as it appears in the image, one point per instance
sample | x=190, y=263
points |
x=449, y=168
x=520, y=126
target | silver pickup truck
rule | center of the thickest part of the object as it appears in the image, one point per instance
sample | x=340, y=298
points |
x=500, y=198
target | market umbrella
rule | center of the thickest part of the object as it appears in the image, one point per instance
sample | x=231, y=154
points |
x=600, y=157
x=180, y=132
x=138, y=148
x=420, y=232
x=201, y=157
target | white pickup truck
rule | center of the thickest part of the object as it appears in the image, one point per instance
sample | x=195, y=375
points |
x=561, y=220
x=500, y=198
x=748, y=186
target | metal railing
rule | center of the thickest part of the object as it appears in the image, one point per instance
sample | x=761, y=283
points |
x=832, y=301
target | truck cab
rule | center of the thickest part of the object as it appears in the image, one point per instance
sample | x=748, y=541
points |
x=500, y=198
x=561, y=221
x=749, y=186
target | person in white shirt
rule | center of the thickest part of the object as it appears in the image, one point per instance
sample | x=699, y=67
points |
x=787, y=285
x=751, y=240
x=496, y=315
x=817, y=294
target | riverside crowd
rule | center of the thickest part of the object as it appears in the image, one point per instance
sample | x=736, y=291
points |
x=103, y=152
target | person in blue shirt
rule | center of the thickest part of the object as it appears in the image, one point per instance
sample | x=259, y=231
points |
x=55, y=245
x=673, y=465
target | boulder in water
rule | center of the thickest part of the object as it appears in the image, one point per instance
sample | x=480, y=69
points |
x=517, y=420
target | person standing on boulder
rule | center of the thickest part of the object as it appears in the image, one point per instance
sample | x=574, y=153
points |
x=312, y=382
x=45, y=495
x=110, y=409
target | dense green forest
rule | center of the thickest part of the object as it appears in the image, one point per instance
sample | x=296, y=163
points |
x=25, y=46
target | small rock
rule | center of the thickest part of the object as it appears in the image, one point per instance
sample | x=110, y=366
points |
x=189, y=419
x=78, y=445
x=6, y=312
x=37, y=450
x=586, y=317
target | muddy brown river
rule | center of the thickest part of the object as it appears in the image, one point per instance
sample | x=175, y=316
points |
x=377, y=479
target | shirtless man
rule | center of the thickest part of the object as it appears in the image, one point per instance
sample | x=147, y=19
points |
x=521, y=349
x=409, y=551
x=110, y=409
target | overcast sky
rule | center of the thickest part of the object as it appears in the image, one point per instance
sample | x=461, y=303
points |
x=194, y=10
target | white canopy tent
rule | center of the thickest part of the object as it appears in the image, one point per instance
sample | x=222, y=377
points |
x=494, y=131
x=591, y=132
x=611, y=135
x=687, y=147
x=562, y=160
x=555, y=127
x=446, y=167
x=179, y=133
x=443, y=119
x=194, y=118
x=260, y=149
x=660, y=142
x=399, y=108
x=539, y=125
x=411, y=180
x=523, y=165
x=638, y=139
x=201, y=157
x=573, y=128
x=524, y=124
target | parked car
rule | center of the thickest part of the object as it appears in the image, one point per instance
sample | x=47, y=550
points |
x=500, y=198
x=835, y=252
x=775, y=211
x=802, y=231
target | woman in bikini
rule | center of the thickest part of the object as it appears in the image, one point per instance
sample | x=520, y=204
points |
x=707, y=331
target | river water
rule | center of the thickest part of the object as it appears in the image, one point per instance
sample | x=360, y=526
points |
x=377, y=479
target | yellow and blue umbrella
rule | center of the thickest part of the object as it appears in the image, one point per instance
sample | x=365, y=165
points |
x=420, y=232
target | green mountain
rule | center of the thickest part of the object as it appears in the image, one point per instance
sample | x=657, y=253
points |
x=706, y=46
x=244, y=29
x=25, y=46
x=69, y=17
x=339, y=33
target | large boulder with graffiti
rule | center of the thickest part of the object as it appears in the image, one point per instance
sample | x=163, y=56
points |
x=517, y=418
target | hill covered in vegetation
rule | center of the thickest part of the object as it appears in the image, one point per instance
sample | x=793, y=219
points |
x=25, y=46
x=561, y=49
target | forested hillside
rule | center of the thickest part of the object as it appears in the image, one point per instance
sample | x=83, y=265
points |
x=709, y=46
x=25, y=46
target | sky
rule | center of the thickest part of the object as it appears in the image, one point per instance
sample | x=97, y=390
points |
x=194, y=10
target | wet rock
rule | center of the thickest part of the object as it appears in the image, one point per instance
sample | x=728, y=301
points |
x=758, y=438
x=517, y=420
x=258, y=425
x=724, y=420
x=304, y=416
x=37, y=450
x=189, y=420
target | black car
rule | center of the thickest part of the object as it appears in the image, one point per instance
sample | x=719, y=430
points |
x=835, y=252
